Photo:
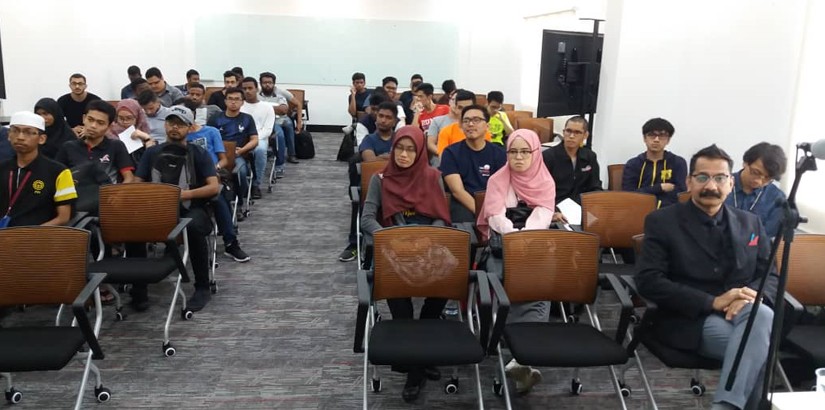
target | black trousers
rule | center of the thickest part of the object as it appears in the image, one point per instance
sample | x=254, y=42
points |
x=402, y=308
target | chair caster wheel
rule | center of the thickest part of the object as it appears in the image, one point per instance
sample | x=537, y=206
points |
x=624, y=389
x=576, y=387
x=572, y=319
x=246, y=214
x=697, y=388
x=378, y=317
x=120, y=316
x=186, y=314
x=376, y=385
x=213, y=287
x=634, y=319
x=13, y=396
x=125, y=288
x=269, y=190
x=103, y=394
x=168, y=350
x=452, y=386
x=498, y=388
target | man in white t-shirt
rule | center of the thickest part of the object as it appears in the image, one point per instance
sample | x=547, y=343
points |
x=265, y=120
x=280, y=99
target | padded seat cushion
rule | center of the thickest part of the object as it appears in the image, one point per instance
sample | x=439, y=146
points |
x=135, y=270
x=423, y=342
x=562, y=345
x=808, y=341
x=677, y=358
x=25, y=349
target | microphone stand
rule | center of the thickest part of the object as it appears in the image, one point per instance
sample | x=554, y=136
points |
x=790, y=221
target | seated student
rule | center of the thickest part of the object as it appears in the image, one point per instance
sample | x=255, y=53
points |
x=438, y=124
x=375, y=146
x=526, y=186
x=34, y=190
x=406, y=98
x=424, y=107
x=57, y=131
x=129, y=114
x=358, y=95
x=264, y=118
x=128, y=90
x=6, y=151
x=280, y=100
x=701, y=269
x=139, y=85
x=240, y=128
x=231, y=79
x=192, y=77
x=656, y=171
x=573, y=166
x=449, y=88
x=390, y=86
x=156, y=115
x=499, y=123
x=753, y=189
x=366, y=125
x=452, y=133
x=166, y=93
x=468, y=164
x=203, y=112
x=198, y=189
x=408, y=192
x=75, y=102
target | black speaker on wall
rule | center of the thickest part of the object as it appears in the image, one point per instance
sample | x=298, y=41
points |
x=568, y=83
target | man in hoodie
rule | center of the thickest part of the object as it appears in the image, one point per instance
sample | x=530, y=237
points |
x=656, y=171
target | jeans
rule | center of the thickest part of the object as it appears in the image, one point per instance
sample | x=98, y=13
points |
x=223, y=216
x=242, y=171
x=260, y=160
x=288, y=127
x=280, y=140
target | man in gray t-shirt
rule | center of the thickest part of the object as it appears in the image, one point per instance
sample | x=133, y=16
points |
x=280, y=99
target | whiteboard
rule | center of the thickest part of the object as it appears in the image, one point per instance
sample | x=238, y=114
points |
x=325, y=51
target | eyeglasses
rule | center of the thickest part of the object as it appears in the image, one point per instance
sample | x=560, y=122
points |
x=27, y=132
x=756, y=173
x=718, y=179
x=570, y=131
x=657, y=134
x=401, y=149
x=125, y=118
x=176, y=125
x=522, y=152
x=77, y=84
x=473, y=120
x=235, y=99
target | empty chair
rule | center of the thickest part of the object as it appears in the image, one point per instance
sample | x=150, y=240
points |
x=614, y=177
x=359, y=194
x=513, y=116
x=541, y=126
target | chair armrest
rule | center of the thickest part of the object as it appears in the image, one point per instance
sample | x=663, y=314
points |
x=793, y=313
x=363, y=279
x=172, y=246
x=178, y=229
x=485, y=305
x=79, y=216
x=501, y=312
x=651, y=308
x=627, y=306
x=355, y=194
x=86, y=221
x=79, y=309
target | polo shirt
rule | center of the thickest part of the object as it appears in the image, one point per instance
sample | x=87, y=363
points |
x=209, y=139
x=111, y=154
x=238, y=128
x=169, y=96
x=49, y=186
x=474, y=167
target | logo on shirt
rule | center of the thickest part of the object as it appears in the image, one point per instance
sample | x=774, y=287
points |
x=38, y=186
x=240, y=128
x=484, y=170
x=105, y=159
x=666, y=174
x=587, y=168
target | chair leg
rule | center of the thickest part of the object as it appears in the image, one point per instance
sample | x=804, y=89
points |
x=645, y=381
x=781, y=371
x=478, y=387
x=613, y=253
x=500, y=387
x=616, y=386
x=167, y=346
x=376, y=383
x=88, y=364
x=213, y=265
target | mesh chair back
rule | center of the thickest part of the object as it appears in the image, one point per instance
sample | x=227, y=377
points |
x=141, y=212
x=514, y=116
x=508, y=107
x=421, y=261
x=299, y=97
x=541, y=126
x=368, y=169
x=479, y=200
x=614, y=177
x=552, y=265
x=230, y=146
x=616, y=216
x=638, y=241
x=806, y=275
x=42, y=264
x=684, y=196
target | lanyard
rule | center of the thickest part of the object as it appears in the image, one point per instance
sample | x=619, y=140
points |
x=736, y=202
x=19, y=187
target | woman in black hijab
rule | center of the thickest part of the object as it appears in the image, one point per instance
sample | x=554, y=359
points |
x=57, y=129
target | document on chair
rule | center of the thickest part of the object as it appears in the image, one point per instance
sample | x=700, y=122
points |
x=132, y=144
x=571, y=210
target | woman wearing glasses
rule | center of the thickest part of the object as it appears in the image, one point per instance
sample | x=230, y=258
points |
x=519, y=196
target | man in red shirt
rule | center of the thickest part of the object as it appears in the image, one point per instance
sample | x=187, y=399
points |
x=425, y=109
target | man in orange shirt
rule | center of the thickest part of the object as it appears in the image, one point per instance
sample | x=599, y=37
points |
x=452, y=133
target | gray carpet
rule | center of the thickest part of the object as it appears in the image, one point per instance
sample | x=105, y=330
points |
x=279, y=333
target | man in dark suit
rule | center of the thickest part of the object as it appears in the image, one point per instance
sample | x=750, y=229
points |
x=702, y=262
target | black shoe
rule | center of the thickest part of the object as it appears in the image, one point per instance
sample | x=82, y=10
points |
x=256, y=193
x=432, y=373
x=412, y=388
x=234, y=251
x=348, y=254
x=199, y=300
x=292, y=160
x=140, y=298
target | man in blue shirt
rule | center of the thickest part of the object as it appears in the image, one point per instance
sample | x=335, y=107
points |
x=753, y=189
x=127, y=91
x=239, y=128
x=467, y=165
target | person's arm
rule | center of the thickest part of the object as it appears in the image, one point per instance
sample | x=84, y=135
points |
x=64, y=214
x=458, y=192
x=508, y=128
x=128, y=176
x=250, y=145
x=368, y=155
x=145, y=138
x=540, y=218
x=679, y=175
x=144, y=169
x=209, y=190
x=500, y=223
x=222, y=161
x=372, y=204
x=352, y=109
x=268, y=124
x=64, y=195
x=595, y=176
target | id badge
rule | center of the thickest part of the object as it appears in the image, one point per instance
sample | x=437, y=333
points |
x=4, y=221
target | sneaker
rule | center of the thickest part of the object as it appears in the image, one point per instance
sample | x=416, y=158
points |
x=199, y=299
x=140, y=298
x=292, y=160
x=525, y=376
x=279, y=173
x=234, y=251
x=348, y=254
x=347, y=129
x=256, y=193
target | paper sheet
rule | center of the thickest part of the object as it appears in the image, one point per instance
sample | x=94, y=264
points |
x=571, y=210
x=132, y=145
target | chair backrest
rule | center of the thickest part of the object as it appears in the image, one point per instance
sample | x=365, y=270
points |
x=437, y=96
x=421, y=261
x=806, y=275
x=684, y=196
x=513, y=116
x=550, y=264
x=616, y=216
x=368, y=169
x=299, y=96
x=479, y=200
x=614, y=177
x=481, y=99
x=139, y=212
x=113, y=103
x=229, y=146
x=542, y=126
x=42, y=264
x=208, y=92
x=508, y=107
x=638, y=241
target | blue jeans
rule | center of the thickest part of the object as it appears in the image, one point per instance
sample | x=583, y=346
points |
x=223, y=216
x=289, y=133
x=242, y=171
x=260, y=160
x=280, y=140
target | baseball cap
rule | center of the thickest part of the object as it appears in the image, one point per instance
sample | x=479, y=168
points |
x=29, y=119
x=183, y=113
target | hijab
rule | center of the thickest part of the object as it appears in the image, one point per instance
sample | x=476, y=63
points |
x=414, y=188
x=534, y=185
x=132, y=106
x=57, y=133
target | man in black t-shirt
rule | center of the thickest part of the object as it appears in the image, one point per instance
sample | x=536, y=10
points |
x=74, y=103
x=231, y=79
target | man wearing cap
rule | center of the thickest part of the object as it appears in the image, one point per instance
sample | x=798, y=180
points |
x=34, y=190
x=199, y=189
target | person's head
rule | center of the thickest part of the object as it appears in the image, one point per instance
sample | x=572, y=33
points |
x=155, y=80
x=267, y=80
x=77, y=83
x=97, y=118
x=415, y=80
x=27, y=131
x=178, y=123
x=448, y=86
x=762, y=163
x=461, y=100
x=48, y=109
x=495, y=99
x=192, y=77
x=231, y=79
x=139, y=85
x=238, y=71
x=234, y=99
x=386, y=117
x=523, y=148
x=150, y=102
x=250, y=89
x=127, y=112
x=359, y=81
x=424, y=94
x=709, y=180
x=408, y=146
x=657, y=133
x=575, y=132
x=195, y=93
x=133, y=72
x=377, y=97
x=474, y=120
x=390, y=85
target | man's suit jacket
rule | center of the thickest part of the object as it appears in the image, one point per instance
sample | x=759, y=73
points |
x=676, y=269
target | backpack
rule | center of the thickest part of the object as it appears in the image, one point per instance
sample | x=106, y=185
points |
x=304, y=147
x=175, y=165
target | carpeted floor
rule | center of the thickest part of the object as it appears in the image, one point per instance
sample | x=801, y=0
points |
x=279, y=333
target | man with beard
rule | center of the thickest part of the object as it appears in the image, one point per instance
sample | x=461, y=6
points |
x=74, y=103
x=203, y=112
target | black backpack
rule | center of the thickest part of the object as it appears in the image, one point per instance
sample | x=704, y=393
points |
x=304, y=147
x=175, y=165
